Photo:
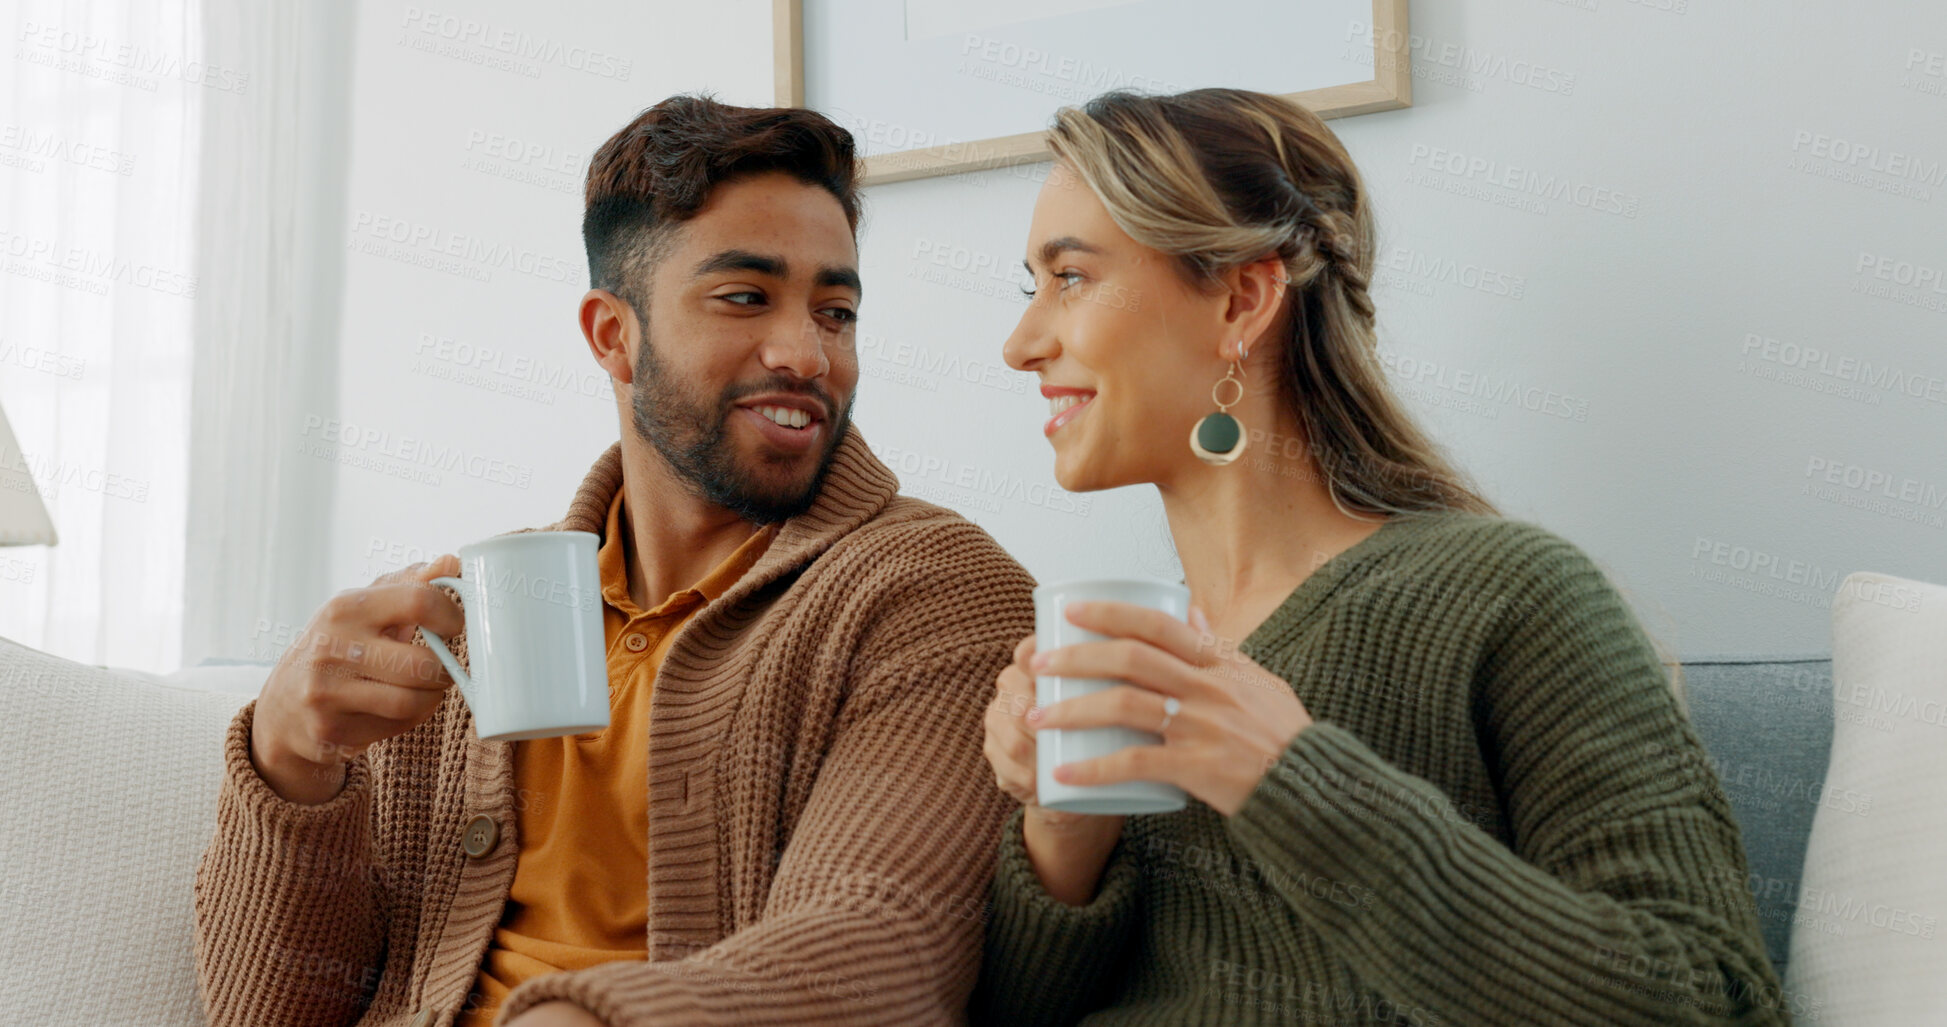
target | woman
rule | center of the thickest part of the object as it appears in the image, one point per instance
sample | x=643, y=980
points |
x=1438, y=773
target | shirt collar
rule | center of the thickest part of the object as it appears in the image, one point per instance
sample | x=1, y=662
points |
x=856, y=487
x=611, y=563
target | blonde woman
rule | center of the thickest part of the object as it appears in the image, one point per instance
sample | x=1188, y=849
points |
x=1437, y=771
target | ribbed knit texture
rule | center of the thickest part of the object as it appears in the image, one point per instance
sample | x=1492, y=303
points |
x=1500, y=816
x=822, y=820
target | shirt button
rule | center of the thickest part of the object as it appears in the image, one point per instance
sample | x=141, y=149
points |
x=481, y=834
x=636, y=642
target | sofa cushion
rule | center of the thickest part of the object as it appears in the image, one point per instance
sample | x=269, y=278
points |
x=244, y=677
x=1867, y=937
x=1767, y=726
x=110, y=800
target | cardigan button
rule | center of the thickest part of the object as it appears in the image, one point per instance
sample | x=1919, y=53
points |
x=423, y=1018
x=481, y=834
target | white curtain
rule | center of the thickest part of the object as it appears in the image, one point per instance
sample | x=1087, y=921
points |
x=99, y=131
x=266, y=326
x=172, y=174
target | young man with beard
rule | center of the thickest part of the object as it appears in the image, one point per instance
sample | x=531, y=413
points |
x=789, y=818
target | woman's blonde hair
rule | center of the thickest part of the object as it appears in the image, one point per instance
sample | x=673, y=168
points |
x=1219, y=178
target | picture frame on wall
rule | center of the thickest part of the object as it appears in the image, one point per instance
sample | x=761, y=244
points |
x=957, y=85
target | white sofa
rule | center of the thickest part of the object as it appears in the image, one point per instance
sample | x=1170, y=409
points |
x=109, y=801
x=112, y=779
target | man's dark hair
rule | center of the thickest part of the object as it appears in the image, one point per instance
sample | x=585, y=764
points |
x=657, y=172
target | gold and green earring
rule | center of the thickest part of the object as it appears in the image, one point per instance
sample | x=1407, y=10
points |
x=1218, y=438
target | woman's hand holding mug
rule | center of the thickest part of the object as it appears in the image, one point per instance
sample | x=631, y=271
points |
x=1068, y=850
x=1223, y=720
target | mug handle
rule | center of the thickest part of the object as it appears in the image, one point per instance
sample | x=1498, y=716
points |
x=460, y=678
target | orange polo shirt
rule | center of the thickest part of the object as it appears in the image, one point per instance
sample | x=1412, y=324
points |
x=581, y=884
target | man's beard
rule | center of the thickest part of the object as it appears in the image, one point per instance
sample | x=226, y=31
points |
x=694, y=440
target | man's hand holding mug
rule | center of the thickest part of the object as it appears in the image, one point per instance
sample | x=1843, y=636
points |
x=352, y=678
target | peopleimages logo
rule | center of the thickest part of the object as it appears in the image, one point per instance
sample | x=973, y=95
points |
x=1467, y=275
x=1845, y=368
x=1461, y=57
x=55, y=146
x=417, y=453
x=500, y=588
x=1034, y=60
x=1527, y=181
x=916, y=468
x=515, y=43
x=1496, y=390
x=1873, y=481
x=1902, y=281
x=85, y=269
x=1853, y=476
x=1758, y=562
x=575, y=376
x=528, y=152
x=892, y=135
x=1902, y=272
x=46, y=361
x=54, y=475
x=1925, y=72
x=928, y=361
x=469, y=256
x=1868, y=157
x=133, y=64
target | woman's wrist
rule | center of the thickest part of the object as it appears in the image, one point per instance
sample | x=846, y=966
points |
x=1069, y=851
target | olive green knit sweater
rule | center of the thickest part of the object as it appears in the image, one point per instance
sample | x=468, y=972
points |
x=1500, y=816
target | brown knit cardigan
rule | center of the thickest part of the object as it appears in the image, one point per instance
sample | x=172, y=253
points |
x=822, y=822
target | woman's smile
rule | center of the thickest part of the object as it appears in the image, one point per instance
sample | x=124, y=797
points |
x=1065, y=404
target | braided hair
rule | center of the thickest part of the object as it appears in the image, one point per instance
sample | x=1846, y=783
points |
x=1221, y=178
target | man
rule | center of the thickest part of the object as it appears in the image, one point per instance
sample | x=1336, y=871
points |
x=803, y=828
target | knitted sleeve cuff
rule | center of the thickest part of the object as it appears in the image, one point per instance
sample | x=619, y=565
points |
x=1042, y=954
x=283, y=887
x=334, y=830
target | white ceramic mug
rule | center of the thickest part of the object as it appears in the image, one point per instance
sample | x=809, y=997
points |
x=1053, y=747
x=533, y=603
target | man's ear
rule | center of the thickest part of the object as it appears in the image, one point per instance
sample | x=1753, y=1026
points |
x=1257, y=292
x=608, y=322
